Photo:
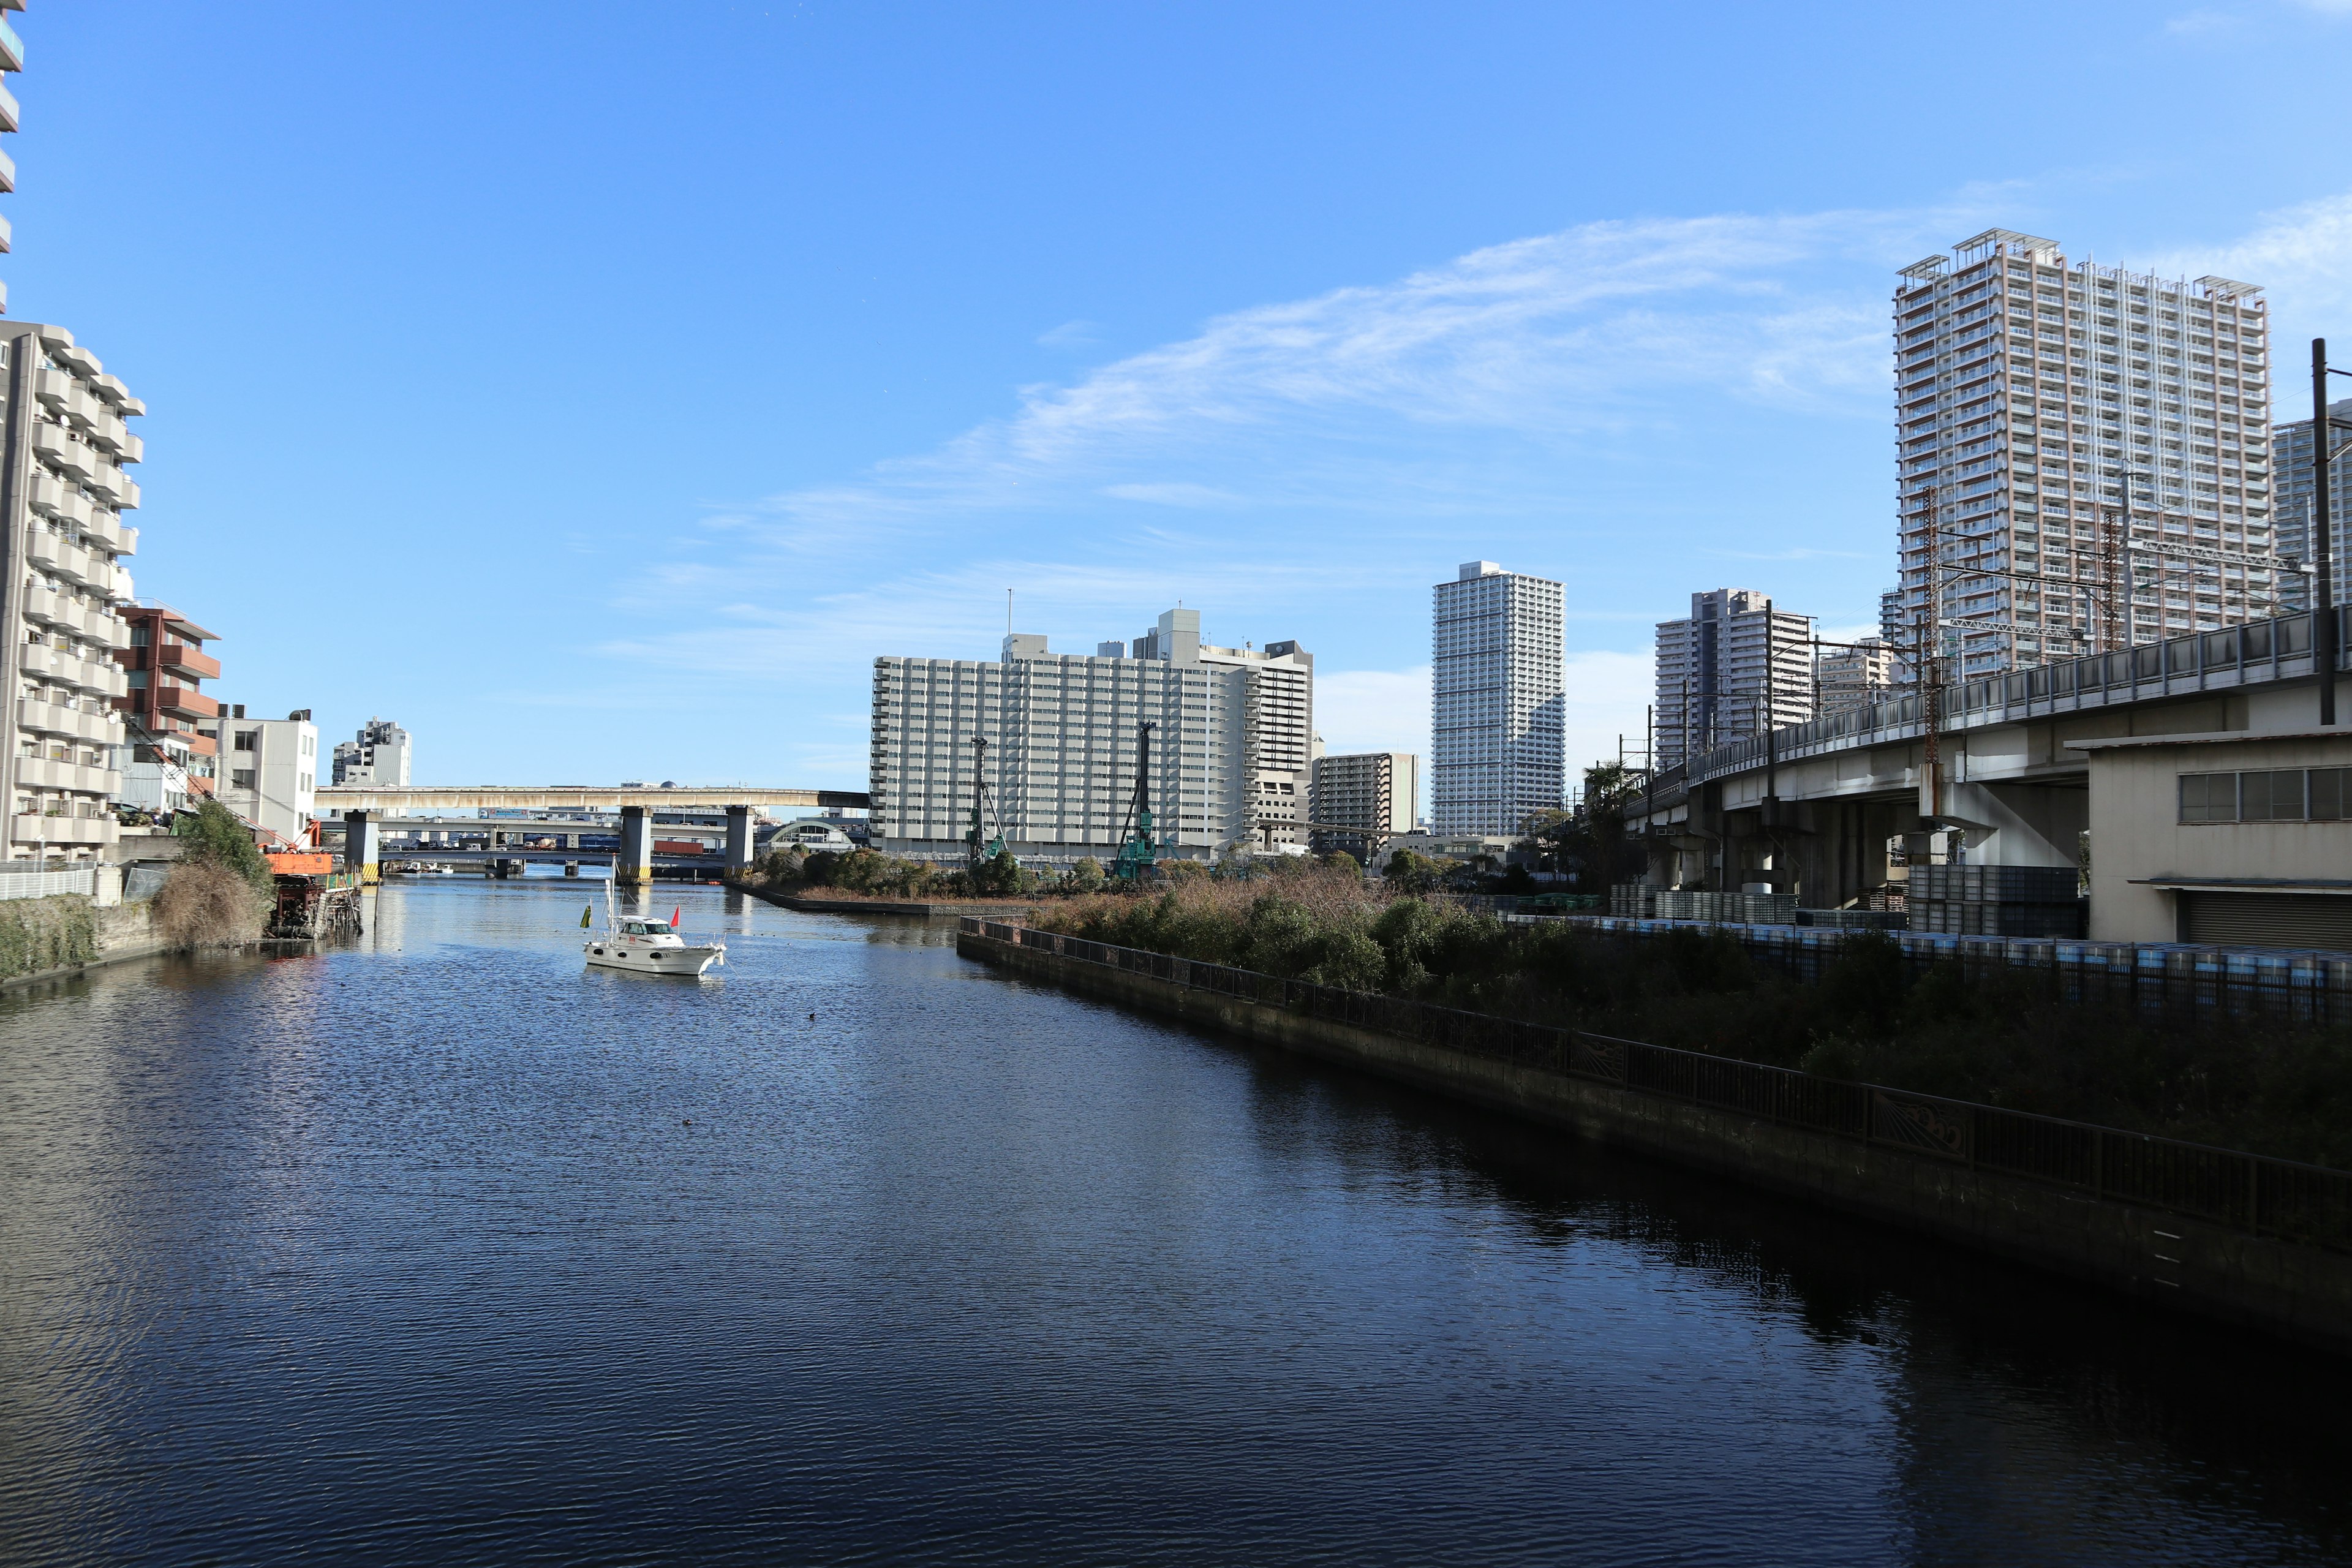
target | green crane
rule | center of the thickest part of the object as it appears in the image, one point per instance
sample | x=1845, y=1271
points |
x=1136, y=849
x=976, y=852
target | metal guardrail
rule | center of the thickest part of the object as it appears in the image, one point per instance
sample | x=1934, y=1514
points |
x=2249, y=1192
x=2224, y=660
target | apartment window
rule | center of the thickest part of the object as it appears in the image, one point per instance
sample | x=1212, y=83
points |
x=245, y=739
x=240, y=778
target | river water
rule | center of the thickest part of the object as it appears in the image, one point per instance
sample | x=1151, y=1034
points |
x=436, y=1247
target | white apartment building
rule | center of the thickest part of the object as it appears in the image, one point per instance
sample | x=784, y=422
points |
x=1848, y=677
x=270, y=771
x=1060, y=730
x=63, y=502
x=2298, y=541
x=2084, y=446
x=1278, y=727
x=1363, y=799
x=378, y=757
x=1736, y=666
x=1497, y=673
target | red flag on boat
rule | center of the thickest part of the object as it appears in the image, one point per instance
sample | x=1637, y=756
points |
x=673, y=914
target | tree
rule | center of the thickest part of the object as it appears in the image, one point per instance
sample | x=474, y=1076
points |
x=215, y=837
x=1087, y=876
x=1590, y=841
x=1340, y=860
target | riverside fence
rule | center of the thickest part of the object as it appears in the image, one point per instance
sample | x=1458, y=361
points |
x=2250, y=1193
x=2311, y=987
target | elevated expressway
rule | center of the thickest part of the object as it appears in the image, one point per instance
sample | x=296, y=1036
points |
x=1811, y=808
x=363, y=810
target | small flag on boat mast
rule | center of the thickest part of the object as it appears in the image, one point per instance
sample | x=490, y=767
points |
x=673, y=914
x=584, y=914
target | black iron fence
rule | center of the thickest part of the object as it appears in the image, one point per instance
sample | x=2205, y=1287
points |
x=2246, y=1192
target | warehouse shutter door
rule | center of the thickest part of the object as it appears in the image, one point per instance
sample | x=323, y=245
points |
x=2268, y=920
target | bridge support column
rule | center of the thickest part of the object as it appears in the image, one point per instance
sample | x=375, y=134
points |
x=635, y=864
x=362, y=832
x=738, y=837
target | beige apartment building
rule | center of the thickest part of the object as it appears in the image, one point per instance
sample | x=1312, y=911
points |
x=2082, y=454
x=65, y=497
x=1361, y=800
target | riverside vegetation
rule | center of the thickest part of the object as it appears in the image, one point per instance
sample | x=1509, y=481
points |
x=220, y=892
x=2264, y=1086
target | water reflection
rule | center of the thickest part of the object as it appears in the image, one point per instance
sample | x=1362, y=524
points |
x=437, y=1246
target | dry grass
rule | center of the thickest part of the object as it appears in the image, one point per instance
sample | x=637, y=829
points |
x=1334, y=896
x=204, y=904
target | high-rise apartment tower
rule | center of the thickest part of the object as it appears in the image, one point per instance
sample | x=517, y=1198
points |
x=2297, y=542
x=1496, y=700
x=64, y=548
x=2082, y=454
x=1736, y=666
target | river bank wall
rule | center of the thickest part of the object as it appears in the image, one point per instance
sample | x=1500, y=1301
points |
x=2054, y=1194
x=54, y=938
x=920, y=908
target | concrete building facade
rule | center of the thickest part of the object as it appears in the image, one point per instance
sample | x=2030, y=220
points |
x=2291, y=456
x=269, y=771
x=2082, y=454
x=1846, y=678
x=167, y=760
x=1060, y=730
x=64, y=575
x=1361, y=800
x=379, y=756
x=1497, y=674
x=1734, y=665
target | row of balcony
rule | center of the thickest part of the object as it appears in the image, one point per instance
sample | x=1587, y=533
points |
x=192, y=662
x=48, y=773
x=104, y=728
x=50, y=496
x=55, y=607
x=100, y=678
x=32, y=829
x=86, y=464
x=77, y=564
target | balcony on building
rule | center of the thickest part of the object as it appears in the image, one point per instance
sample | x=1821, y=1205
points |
x=11, y=47
x=184, y=702
x=187, y=662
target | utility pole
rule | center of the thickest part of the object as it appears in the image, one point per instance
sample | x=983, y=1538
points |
x=2323, y=609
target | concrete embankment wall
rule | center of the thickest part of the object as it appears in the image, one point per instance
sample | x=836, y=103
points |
x=48, y=939
x=2299, y=1291
x=884, y=906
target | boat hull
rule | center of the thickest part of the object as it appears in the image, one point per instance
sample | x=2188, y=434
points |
x=687, y=961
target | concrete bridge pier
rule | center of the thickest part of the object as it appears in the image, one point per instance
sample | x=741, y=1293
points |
x=635, y=862
x=362, y=834
x=738, y=837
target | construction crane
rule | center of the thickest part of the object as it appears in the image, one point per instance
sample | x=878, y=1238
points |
x=976, y=852
x=1137, y=851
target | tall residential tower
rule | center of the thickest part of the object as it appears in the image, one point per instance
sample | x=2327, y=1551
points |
x=1496, y=700
x=1736, y=666
x=2085, y=450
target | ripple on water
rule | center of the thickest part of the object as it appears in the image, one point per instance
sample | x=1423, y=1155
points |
x=438, y=1247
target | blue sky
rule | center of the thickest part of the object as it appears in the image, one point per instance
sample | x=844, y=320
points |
x=597, y=391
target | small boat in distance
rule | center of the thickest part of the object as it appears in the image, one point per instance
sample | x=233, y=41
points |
x=647, y=946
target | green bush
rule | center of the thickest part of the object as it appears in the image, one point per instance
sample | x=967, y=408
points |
x=215, y=837
x=37, y=934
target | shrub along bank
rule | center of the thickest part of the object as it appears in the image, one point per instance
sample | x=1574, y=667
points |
x=39, y=934
x=2264, y=1086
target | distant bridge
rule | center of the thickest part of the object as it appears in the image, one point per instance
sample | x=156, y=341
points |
x=365, y=809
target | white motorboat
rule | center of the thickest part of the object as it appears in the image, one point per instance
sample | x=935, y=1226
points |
x=647, y=946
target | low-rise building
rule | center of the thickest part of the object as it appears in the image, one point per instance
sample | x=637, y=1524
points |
x=268, y=770
x=2226, y=838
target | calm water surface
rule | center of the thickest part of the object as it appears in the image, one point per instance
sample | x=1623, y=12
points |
x=437, y=1248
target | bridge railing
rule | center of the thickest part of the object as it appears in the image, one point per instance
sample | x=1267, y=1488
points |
x=2275, y=649
x=2249, y=1192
